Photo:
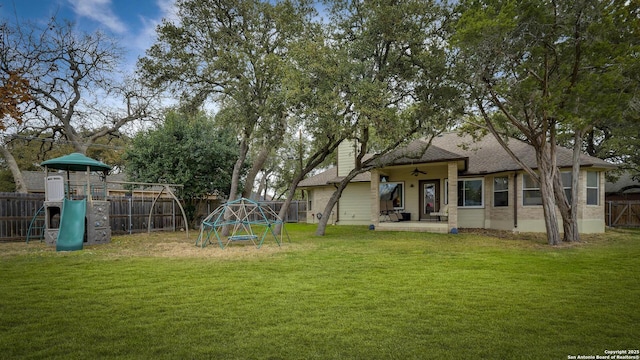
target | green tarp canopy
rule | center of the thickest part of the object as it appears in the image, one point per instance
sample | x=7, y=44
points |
x=76, y=162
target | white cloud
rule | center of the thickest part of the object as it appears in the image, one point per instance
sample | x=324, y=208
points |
x=100, y=11
x=147, y=33
x=168, y=9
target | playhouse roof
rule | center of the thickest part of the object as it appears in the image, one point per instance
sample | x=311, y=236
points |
x=76, y=162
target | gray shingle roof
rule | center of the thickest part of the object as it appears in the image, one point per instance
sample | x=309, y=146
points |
x=624, y=184
x=419, y=151
x=330, y=176
x=486, y=155
x=482, y=156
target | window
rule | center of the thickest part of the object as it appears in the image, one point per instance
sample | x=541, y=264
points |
x=593, y=190
x=309, y=195
x=566, y=184
x=501, y=191
x=394, y=193
x=470, y=193
x=530, y=191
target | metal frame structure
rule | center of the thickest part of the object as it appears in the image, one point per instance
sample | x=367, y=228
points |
x=243, y=220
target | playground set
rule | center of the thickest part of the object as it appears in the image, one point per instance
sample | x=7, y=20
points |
x=75, y=213
x=76, y=209
x=241, y=220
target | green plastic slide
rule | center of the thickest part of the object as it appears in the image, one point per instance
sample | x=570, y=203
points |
x=71, y=232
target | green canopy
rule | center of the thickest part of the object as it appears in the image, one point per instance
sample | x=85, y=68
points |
x=76, y=162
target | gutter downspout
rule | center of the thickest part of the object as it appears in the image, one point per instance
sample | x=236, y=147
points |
x=515, y=200
x=337, y=207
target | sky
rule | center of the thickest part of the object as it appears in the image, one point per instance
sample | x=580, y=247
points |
x=131, y=22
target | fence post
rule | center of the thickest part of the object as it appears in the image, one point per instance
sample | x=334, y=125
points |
x=130, y=214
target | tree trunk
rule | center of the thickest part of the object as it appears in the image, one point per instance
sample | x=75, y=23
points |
x=314, y=160
x=258, y=163
x=326, y=214
x=237, y=168
x=569, y=211
x=572, y=234
x=235, y=179
x=21, y=187
x=566, y=210
x=548, y=197
x=322, y=224
x=287, y=202
x=262, y=187
x=549, y=207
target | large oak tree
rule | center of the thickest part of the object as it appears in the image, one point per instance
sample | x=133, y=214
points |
x=540, y=70
x=398, y=85
x=234, y=53
x=77, y=94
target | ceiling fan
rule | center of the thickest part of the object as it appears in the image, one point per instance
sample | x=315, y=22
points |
x=416, y=172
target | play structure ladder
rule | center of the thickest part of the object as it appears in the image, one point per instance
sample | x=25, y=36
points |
x=37, y=223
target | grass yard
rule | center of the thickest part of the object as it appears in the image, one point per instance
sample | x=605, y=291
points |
x=352, y=294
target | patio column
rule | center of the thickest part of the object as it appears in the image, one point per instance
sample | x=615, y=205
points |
x=375, y=197
x=452, y=195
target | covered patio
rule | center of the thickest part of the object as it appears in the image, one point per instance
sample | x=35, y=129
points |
x=421, y=196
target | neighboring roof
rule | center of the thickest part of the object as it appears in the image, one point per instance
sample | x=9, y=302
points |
x=76, y=162
x=624, y=185
x=330, y=176
x=482, y=156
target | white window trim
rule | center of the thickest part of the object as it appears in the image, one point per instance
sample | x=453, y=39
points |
x=597, y=187
x=493, y=200
x=525, y=189
x=481, y=206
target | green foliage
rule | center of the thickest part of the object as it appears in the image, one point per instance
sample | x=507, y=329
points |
x=188, y=150
x=396, y=75
x=565, y=66
x=30, y=149
x=6, y=181
x=354, y=294
x=556, y=71
x=235, y=52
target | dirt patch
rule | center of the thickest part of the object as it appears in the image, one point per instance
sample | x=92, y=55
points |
x=164, y=245
x=537, y=238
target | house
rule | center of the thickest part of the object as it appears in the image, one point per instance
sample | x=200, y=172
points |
x=455, y=182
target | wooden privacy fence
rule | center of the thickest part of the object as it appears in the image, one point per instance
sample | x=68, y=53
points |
x=127, y=214
x=623, y=213
x=131, y=215
x=297, y=211
x=16, y=212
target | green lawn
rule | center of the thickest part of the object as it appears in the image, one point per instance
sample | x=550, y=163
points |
x=353, y=294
